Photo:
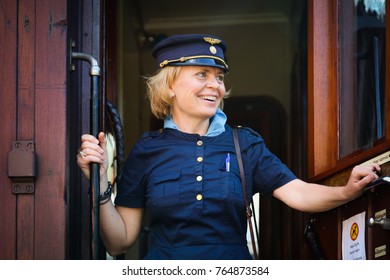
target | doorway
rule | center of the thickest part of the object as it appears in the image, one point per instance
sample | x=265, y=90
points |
x=263, y=38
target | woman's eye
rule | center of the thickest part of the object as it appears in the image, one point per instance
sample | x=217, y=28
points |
x=202, y=74
x=220, y=78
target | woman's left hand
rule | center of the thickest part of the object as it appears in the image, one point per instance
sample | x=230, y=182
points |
x=361, y=175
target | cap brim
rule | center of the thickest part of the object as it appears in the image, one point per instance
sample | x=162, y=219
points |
x=202, y=62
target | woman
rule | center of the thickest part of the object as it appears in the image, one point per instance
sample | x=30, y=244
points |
x=187, y=176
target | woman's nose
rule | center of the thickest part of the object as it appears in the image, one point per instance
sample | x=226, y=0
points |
x=213, y=82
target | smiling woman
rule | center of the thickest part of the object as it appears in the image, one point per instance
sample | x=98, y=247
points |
x=197, y=92
x=192, y=71
x=187, y=175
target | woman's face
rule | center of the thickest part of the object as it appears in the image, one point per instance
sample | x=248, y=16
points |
x=197, y=92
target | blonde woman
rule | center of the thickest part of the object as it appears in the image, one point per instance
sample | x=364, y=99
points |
x=187, y=176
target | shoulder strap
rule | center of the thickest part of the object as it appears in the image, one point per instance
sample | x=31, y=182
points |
x=243, y=183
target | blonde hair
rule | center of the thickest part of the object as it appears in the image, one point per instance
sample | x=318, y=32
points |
x=157, y=91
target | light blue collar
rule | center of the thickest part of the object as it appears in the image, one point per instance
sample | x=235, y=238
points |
x=217, y=125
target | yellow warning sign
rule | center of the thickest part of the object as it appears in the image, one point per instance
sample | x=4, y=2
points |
x=354, y=231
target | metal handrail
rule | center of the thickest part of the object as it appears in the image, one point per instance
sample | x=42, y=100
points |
x=94, y=167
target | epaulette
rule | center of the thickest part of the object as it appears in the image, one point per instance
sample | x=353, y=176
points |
x=150, y=135
x=156, y=133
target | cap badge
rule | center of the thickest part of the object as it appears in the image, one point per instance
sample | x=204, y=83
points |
x=212, y=41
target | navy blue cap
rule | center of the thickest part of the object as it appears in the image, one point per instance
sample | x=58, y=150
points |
x=191, y=49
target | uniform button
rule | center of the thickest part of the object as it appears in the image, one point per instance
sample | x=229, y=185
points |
x=199, y=178
x=199, y=143
x=199, y=197
x=199, y=159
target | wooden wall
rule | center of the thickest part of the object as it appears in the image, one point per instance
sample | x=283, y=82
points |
x=33, y=108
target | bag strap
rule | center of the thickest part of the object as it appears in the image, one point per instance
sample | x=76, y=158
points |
x=243, y=184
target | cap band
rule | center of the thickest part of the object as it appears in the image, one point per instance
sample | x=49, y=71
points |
x=196, y=60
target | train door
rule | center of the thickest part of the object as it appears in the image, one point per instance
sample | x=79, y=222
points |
x=348, y=100
x=44, y=212
x=88, y=23
x=33, y=149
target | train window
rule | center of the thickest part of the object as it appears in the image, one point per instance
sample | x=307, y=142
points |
x=348, y=94
x=361, y=74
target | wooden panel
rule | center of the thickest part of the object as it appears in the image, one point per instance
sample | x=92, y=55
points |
x=8, y=33
x=323, y=80
x=326, y=228
x=50, y=126
x=33, y=107
x=387, y=89
x=33, y=99
x=25, y=131
x=322, y=93
x=328, y=225
x=376, y=235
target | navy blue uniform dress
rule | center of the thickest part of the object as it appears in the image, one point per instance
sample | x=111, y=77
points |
x=193, y=197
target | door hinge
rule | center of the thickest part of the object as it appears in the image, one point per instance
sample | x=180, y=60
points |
x=22, y=167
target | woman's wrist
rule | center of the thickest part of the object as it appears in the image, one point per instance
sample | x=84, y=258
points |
x=103, y=178
x=105, y=196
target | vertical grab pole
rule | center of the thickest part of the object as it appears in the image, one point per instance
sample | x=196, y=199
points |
x=94, y=167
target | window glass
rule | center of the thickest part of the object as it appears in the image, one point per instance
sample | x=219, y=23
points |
x=361, y=51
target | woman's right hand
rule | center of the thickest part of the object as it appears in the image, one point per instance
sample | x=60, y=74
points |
x=92, y=150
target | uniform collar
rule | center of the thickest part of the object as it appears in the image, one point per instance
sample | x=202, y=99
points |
x=217, y=125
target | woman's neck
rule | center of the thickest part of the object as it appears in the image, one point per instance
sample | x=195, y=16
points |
x=192, y=126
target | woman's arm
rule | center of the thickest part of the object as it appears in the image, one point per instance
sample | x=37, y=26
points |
x=308, y=197
x=119, y=226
